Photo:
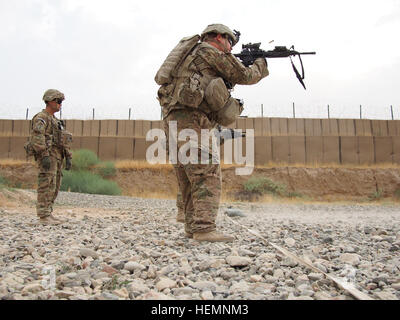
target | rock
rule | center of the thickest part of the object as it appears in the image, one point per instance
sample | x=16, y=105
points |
x=256, y=278
x=64, y=294
x=137, y=287
x=185, y=266
x=207, y=295
x=205, y=285
x=278, y=273
x=165, y=283
x=237, y=261
x=109, y=296
x=371, y=286
x=152, y=272
x=245, y=252
x=302, y=279
x=315, y=276
x=396, y=286
x=327, y=240
x=122, y=293
x=350, y=258
x=109, y=270
x=383, y=295
x=85, y=252
x=234, y=213
x=183, y=291
x=32, y=288
x=321, y=295
x=290, y=242
x=241, y=286
x=132, y=266
x=153, y=295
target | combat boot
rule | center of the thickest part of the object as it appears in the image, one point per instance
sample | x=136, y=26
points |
x=49, y=220
x=213, y=236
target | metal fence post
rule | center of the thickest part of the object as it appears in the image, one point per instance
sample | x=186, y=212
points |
x=294, y=111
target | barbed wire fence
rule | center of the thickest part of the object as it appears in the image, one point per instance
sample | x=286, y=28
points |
x=262, y=113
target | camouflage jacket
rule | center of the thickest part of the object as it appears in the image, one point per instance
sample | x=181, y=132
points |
x=48, y=136
x=210, y=63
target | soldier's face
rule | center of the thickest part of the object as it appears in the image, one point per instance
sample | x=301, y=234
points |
x=55, y=105
x=225, y=43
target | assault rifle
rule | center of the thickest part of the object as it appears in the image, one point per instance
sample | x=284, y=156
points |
x=251, y=51
x=228, y=133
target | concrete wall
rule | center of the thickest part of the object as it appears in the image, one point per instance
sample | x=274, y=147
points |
x=282, y=140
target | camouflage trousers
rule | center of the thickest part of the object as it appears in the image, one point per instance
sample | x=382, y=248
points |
x=179, y=204
x=49, y=182
x=199, y=184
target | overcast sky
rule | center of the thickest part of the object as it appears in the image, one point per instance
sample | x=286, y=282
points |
x=104, y=54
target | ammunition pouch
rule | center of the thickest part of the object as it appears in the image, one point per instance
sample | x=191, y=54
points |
x=229, y=112
x=216, y=94
x=30, y=152
x=190, y=92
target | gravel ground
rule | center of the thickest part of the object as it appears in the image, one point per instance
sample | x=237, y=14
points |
x=130, y=248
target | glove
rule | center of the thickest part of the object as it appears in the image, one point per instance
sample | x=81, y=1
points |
x=46, y=163
x=68, y=164
x=262, y=66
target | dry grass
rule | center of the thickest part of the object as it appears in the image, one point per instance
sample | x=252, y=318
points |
x=140, y=165
x=14, y=162
x=144, y=165
x=151, y=195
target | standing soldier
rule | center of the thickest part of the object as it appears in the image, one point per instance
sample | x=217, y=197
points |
x=49, y=144
x=195, y=80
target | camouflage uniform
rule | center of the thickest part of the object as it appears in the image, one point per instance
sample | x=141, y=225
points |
x=49, y=139
x=200, y=184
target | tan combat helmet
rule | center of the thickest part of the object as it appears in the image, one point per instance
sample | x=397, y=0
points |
x=52, y=94
x=221, y=29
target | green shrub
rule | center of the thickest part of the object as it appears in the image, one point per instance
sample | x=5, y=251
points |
x=87, y=182
x=84, y=159
x=376, y=196
x=106, y=169
x=263, y=186
x=3, y=182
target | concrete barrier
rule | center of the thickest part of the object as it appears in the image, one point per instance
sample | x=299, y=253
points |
x=297, y=149
x=366, y=150
x=379, y=128
x=4, y=147
x=280, y=149
x=314, y=150
x=383, y=149
x=90, y=143
x=348, y=150
x=21, y=128
x=139, y=151
x=124, y=148
x=6, y=128
x=346, y=127
x=16, y=149
x=396, y=150
x=107, y=148
x=331, y=152
x=263, y=150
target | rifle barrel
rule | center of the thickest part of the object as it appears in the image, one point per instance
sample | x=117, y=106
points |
x=307, y=52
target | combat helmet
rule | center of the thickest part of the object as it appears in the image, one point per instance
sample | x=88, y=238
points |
x=222, y=29
x=52, y=94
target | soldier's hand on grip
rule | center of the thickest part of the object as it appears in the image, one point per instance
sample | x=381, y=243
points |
x=68, y=164
x=46, y=163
